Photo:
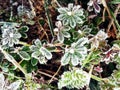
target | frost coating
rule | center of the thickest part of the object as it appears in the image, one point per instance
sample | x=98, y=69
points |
x=73, y=79
x=10, y=35
x=71, y=15
x=39, y=52
x=76, y=53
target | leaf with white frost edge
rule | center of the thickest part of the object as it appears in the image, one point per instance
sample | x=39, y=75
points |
x=24, y=55
x=66, y=34
x=65, y=59
x=36, y=54
x=45, y=52
x=60, y=37
x=38, y=43
x=74, y=60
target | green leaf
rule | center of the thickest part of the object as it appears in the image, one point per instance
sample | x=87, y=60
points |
x=34, y=61
x=24, y=29
x=24, y=35
x=26, y=48
x=24, y=55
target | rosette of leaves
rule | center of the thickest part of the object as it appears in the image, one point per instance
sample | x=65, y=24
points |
x=76, y=53
x=73, y=79
x=40, y=52
x=10, y=34
x=71, y=15
x=5, y=86
x=24, y=10
x=62, y=31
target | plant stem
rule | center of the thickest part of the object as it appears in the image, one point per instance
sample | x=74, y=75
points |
x=87, y=59
x=55, y=74
x=57, y=3
x=23, y=43
x=40, y=72
x=13, y=61
x=97, y=78
x=48, y=17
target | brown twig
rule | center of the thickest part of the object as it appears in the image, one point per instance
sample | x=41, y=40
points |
x=47, y=74
x=110, y=16
x=55, y=74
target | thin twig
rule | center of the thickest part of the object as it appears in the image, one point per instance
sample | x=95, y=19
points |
x=57, y=3
x=55, y=74
x=33, y=9
x=47, y=74
x=90, y=74
x=13, y=61
x=110, y=16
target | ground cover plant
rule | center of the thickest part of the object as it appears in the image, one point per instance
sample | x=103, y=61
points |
x=59, y=44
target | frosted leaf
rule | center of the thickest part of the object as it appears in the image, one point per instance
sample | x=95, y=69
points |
x=70, y=6
x=66, y=34
x=24, y=55
x=72, y=22
x=68, y=15
x=38, y=43
x=74, y=60
x=14, y=86
x=36, y=54
x=46, y=53
x=65, y=59
x=62, y=10
x=60, y=37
